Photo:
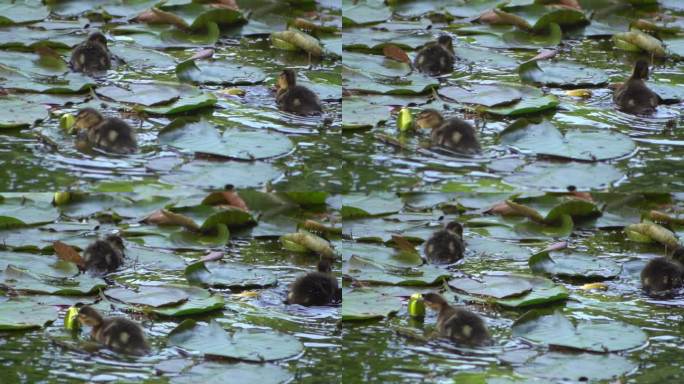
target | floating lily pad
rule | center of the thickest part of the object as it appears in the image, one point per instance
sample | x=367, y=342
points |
x=218, y=72
x=197, y=16
x=543, y=291
x=141, y=58
x=17, y=212
x=376, y=65
x=593, y=336
x=16, y=113
x=203, y=137
x=413, y=84
x=218, y=373
x=149, y=295
x=358, y=113
x=487, y=95
x=526, y=106
x=574, y=265
x=201, y=174
x=25, y=314
x=357, y=206
x=364, y=12
x=55, y=284
x=564, y=367
x=562, y=74
x=494, y=286
x=364, y=304
x=229, y=275
x=143, y=94
x=186, y=103
x=22, y=12
x=248, y=345
x=578, y=142
x=371, y=271
x=559, y=176
x=185, y=239
x=199, y=301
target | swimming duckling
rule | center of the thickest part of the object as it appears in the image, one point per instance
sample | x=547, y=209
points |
x=91, y=55
x=104, y=256
x=454, y=133
x=315, y=288
x=446, y=245
x=108, y=133
x=457, y=324
x=117, y=333
x=295, y=98
x=662, y=275
x=634, y=96
x=436, y=58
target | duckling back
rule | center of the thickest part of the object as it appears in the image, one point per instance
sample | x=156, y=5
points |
x=434, y=60
x=102, y=257
x=90, y=56
x=462, y=326
x=113, y=135
x=457, y=135
x=122, y=335
x=662, y=275
x=314, y=288
x=636, y=98
x=444, y=247
x=299, y=100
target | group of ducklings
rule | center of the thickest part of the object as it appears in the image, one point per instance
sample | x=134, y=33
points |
x=114, y=135
x=438, y=58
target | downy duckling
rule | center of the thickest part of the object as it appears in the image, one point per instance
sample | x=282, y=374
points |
x=634, y=96
x=457, y=324
x=295, y=98
x=446, y=245
x=117, y=333
x=91, y=55
x=103, y=256
x=454, y=133
x=108, y=133
x=315, y=288
x=436, y=58
x=661, y=275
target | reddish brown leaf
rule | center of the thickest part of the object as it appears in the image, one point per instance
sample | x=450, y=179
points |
x=545, y=54
x=570, y=4
x=395, y=53
x=212, y=256
x=203, y=54
x=164, y=217
x=490, y=17
x=157, y=16
x=233, y=199
x=403, y=244
x=582, y=196
x=68, y=253
x=501, y=208
x=226, y=4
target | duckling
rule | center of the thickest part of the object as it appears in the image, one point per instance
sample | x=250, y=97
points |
x=634, y=96
x=110, y=134
x=295, y=98
x=436, y=58
x=454, y=133
x=446, y=245
x=91, y=55
x=104, y=256
x=662, y=275
x=117, y=333
x=457, y=324
x=315, y=288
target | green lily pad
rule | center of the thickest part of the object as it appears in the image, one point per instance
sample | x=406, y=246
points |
x=578, y=142
x=493, y=286
x=149, y=295
x=185, y=239
x=358, y=113
x=539, y=17
x=62, y=84
x=413, y=84
x=371, y=271
x=22, y=12
x=142, y=94
x=185, y=103
x=549, y=176
x=141, y=58
x=487, y=95
x=561, y=74
x=18, y=212
x=202, y=174
x=585, y=367
x=526, y=106
x=593, y=336
x=56, y=284
x=25, y=314
x=364, y=12
x=203, y=137
x=218, y=373
x=377, y=204
x=199, y=301
x=11, y=117
x=218, y=72
x=543, y=291
x=375, y=65
x=229, y=275
x=365, y=304
x=248, y=345
x=574, y=265
x=197, y=16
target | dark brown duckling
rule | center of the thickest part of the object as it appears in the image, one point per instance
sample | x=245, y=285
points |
x=315, y=288
x=295, y=98
x=108, y=133
x=446, y=245
x=117, y=333
x=436, y=58
x=634, y=96
x=661, y=275
x=92, y=55
x=459, y=325
x=103, y=256
x=454, y=133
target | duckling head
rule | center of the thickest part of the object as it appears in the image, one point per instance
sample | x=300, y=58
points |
x=640, y=71
x=446, y=42
x=434, y=301
x=455, y=227
x=324, y=266
x=98, y=37
x=287, y=79
x=429, y=118
x=89, y=316
x=116, y=241
x=87, y=118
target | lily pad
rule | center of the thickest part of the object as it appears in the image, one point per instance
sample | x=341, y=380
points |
x=371, y=271
x=218, y=72
x=578, y=142
x=22, y=12
x=142, y=94
x=149, y=295
x=593, y=336
x=562, y=74
x=493, y=286
x=377, y=204
x=549, y=176
x=19, y=212
x=358, y=113
x=199, y=301
x=229, y=275
x=543, y=291
x=574, y=265
x=487, y=95
x=365, y=304
x=56, y=284
x=25, y=314
x=218, y=373
x=248, y=345
x=202, y=174
x=364, y=12
x=585, y=367
x=17, y=113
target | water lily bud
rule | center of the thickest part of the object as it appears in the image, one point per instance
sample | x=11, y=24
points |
x=66, y=122
x=416, y=307
x=61, y=198
x=71, y=319
x=404, y=120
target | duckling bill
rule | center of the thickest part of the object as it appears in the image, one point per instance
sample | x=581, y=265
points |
x=634, y=96
x=661, y=275
x=295, y=98
x=459, y=325
x=446, y=245
x=110, y=134
x=454, y=133
x=315, y=288
x=117, y=333
x=436, y=58
x=103, y=256
x=92, y=55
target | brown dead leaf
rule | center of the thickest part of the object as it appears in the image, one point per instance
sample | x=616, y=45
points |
x=393, y=52
x=403, y=244
x=545, y=54
x=586, y=196
x=157, y=16
x=226, y=4
x=573, y=4
x=490, y=17
x=233, y=199
x=164, y=217
x=203, y=54
x=68, y=253
x=501, y=208
x=212, y=256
